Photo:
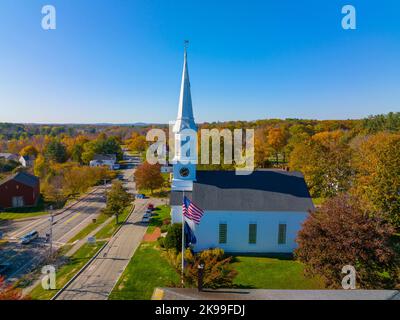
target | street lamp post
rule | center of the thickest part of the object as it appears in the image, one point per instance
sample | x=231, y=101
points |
x=200, y=275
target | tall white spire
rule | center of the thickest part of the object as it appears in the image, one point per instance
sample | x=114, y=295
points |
x=185, y=119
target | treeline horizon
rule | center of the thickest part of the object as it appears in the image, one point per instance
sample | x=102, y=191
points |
x=372, y=123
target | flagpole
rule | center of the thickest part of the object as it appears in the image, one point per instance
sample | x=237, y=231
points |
x=183, y=239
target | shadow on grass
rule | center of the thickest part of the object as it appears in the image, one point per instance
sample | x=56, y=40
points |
x=279, y=256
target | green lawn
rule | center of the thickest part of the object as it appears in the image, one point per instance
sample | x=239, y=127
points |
x=108, y=230
x=101, y=218
x=21, y=213
x=272, y=273
x=67, y=271
x=161, y=213
x=146, y=270
x=104, y=232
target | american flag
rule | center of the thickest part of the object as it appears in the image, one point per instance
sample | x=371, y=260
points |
x=191, y=211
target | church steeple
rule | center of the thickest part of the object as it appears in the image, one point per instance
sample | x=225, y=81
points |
x=185, y=119
x=185, y=130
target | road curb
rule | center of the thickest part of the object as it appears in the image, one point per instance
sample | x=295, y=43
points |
x=78, y=273
x=91, y=259
x=116, y=282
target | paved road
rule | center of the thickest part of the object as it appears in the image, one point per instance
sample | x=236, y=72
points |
x=97, y=281
x=24, y=258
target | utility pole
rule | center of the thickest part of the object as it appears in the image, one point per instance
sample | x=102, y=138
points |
x=51, y=219
x=105, y=189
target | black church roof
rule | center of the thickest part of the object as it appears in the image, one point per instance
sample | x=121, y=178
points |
x=263, y=190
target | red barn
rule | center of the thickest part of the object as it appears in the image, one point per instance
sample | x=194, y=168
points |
x=19, y=190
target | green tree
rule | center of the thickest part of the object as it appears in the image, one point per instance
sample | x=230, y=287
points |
x=117, y=200
x=55, y=151
x=76, y=153
x=173, y=240
x=102, y=145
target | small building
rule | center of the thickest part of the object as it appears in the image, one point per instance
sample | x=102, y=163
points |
x=108, y=160
x=19, y=190
x=257, y=213
x=27, y=161
x=9, y=157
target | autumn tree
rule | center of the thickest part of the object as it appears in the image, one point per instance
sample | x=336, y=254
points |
x=218, y=271
x=325, y=161
x=40, y=166
x=342, y=233
x=277, y=138
x=52, y=190
x=148, y=176
x=137, y=143
x=29, y=151
x=8, y=292
x=377, y=163
x=261, y=149
x=117, y=200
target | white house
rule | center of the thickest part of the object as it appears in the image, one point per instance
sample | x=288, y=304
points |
x=27, y=161
x=108, y=160
x=257, y=213
x=9, y=157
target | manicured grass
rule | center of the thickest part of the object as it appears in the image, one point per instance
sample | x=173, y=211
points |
x=101, y=218
x=272, y=273
x=147, y=270
x=67, y=271
x=108, y=230
x=21, y=215
x=161, y=213
x=25, y=212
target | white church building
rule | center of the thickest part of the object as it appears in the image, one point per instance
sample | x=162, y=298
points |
x=257, y=213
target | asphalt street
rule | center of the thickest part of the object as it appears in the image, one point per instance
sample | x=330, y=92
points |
x=21, y=259
x=97, y=281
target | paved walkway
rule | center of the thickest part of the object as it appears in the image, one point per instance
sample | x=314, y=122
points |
x=151, y=237
x=99, y=278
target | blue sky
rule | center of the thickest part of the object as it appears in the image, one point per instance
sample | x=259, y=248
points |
x=120, y=61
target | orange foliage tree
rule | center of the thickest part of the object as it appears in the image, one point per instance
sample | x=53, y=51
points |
x=8, y=292
x=148, y=176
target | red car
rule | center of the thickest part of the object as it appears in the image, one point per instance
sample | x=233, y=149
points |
x=150, y=206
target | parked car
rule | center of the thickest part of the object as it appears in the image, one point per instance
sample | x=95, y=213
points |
x=145, y=219
x=149, y=211
x=28, y=238
x=140, y=196
x=150, y=206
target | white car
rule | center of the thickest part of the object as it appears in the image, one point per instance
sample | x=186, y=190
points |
x=28, y=238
